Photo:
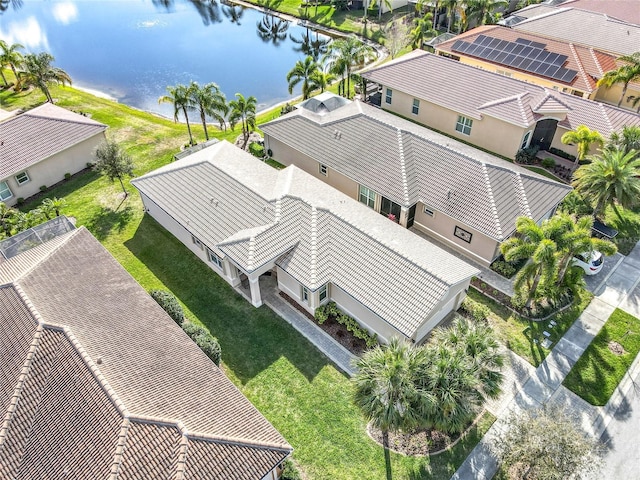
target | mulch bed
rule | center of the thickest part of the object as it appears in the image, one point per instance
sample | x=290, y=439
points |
x=487, y=289
x=337, y=331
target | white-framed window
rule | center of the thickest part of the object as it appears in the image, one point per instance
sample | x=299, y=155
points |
x=323, y=169
x=215, y=259
x=323, y=292
x=429, y=211
x=196, y=242
x=5, y=191
x=463, y=125
x=504, y=73
x=22, y=178
x=415, y=108
x=367, y=196
x=525, y=139
x=304, y=294
x=387, y=97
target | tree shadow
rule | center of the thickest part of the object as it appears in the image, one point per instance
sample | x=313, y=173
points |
x=252, y=339
x=106, y=220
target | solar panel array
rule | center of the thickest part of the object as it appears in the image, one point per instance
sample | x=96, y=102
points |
x=522, y=54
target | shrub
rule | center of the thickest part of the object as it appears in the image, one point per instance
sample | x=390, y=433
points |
x=548, y=162
x=287, y=108
x=527, y=156
x=256, y=149
x=67, y=176
x=475, y=309
x=503, y=268
x=289, y=471
x=207, y=342
x=43, y=188
x=321, y=315
x=20, y=201
x=170, y=304
x=562, y=153
x=89, y=165
x=332, y=309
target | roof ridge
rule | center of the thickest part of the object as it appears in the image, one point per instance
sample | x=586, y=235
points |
x=606, y=117
x=64, y=120
x=596, y=61
x=120, y=449
x=500, y=100
x=492, y=201
x=523, y=194
x=313, y=271
x=583, y=73
x=403, y=166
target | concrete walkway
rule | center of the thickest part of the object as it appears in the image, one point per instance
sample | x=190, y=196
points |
x=621, y=290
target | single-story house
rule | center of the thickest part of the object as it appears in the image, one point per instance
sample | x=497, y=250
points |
x=550, y=63
x=99, y=382
x=459, y=195
x=487, y=109
x=245, y=218
x=620, y=10
x=40, y=146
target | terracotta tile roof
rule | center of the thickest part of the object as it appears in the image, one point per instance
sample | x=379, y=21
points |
x=585, y=61
x=91, y=385
x=40, y=133
x=590, y=29
x=427, y=76
x=313, y=232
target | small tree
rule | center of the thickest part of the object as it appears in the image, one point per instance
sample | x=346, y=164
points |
x=114, y=163
x=545, y=444
x=583, y=137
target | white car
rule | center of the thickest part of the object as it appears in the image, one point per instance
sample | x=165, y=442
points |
x=591, y=264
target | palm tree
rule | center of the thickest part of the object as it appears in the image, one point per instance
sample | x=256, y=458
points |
x=346, y=54
x=9, y=55
x=451, y=6
x=209, y=100
x=624, y=74
x=532, y=243
x=612, y=177
x=305, y=72
x=40, y=73
x=583, y=137
x=627, y=139
x=422, y=30
x=243, y=110
x=373, y=3
x=272, y=29
x=180, y=97
x=323, y=79
x=483, y=11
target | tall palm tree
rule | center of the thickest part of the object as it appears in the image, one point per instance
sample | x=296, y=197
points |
x=625, y=74
x=583, y=137
x=532, y=243
x=306, y=72
x=10, y=56
x=378, y=3
x=180, y=97
x=346, y=54
x=272, y=29
x=208, y=100
x=243, y=110
x=627, y=139
x=40, y=73
x=452, y=7
x=423, y=29
x=612, y=177
x=483, y=11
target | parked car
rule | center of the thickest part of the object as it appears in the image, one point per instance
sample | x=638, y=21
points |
x=591, y=263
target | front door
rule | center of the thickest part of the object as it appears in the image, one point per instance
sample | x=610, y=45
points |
x=544, y=133
x=411, y=217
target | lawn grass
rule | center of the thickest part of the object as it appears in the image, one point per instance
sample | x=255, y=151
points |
x=598, y=371
x=518, y=333
x=306, y=398
x=628, y=226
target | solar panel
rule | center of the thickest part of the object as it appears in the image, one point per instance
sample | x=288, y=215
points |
x=560, y=73
x=484, y=40
x=494, y=42
x=541, y=68
x=509, y=59
x=493, y=54
x=501, y=56
x=542, y=56
x=523, y=41
x=560, y=60
x=456, y=45
x=568, y=76
x=534, y=66
x=502, y=44
x=509, y=48
x=479, y=39
x=525, y=65
x=526, y=51
x=551, y=71
x=538, y=45
x=551, y=58
x=471, y=50
x=517, y=49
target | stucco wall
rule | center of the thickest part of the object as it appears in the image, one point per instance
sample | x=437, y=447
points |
x=449, y=303
x=51, y=170
x=441, y=227
x=612, y=95
x=489, y=133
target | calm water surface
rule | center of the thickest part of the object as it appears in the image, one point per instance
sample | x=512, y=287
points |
x=132, y=49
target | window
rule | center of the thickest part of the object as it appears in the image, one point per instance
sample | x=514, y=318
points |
x=304, y=295
x=323, y=293
x=463, y=234
x=525, y=140
x=22, y=178
x=367, y=196
x=504, y=73
x=196, y=242
x=416, y=106
x=387, y=97
x=428, y=211
x=213, y=258
x=463, y=125
x=323, y=170
x=5, y=191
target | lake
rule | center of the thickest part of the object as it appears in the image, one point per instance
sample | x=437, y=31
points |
x=131, y=50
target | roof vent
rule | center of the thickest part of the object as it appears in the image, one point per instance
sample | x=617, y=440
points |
x=99, y=360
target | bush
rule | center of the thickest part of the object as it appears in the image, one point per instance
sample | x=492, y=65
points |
x=207, y=342
x=256, y=150
x=89, y=165
x=562, y=153
x=476, y=310
x=527, y=156
x=503, y=268
x=170, y=304
x=287, y=108
x=43, y=188
x=548, y=162
x=321, y=315
x=67, y=176
x=289, y=471
x=20, y=200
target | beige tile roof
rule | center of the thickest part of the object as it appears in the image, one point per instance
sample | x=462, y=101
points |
x=625, y=10
x=590, y=64
x=314, y=233
x=89, y=361
x=581, y=27
x=427, y=76
x=40, y=133
x=408, y=163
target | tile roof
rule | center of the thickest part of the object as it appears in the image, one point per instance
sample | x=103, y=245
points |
x=590, y=64
x=313, y=232
x=91, y=385
x=38, y=134
x=595, y=29
x=408, y=163
x=427, y=76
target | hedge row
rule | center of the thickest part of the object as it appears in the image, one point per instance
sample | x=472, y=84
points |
x=324, y=312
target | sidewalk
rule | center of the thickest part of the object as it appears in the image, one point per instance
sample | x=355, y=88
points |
x=621, y=290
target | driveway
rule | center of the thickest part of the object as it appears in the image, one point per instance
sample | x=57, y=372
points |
x=596, y=282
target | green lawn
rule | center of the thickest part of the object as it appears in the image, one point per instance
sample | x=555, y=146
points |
x=519, y=334
x=291, y=382
x=598, y=372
